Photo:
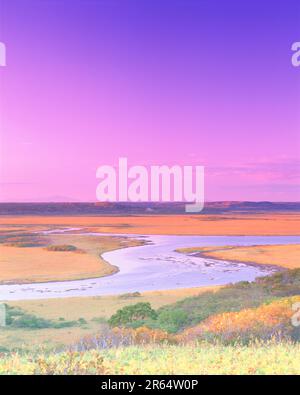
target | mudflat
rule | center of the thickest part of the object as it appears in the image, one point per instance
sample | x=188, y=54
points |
x=287, y=256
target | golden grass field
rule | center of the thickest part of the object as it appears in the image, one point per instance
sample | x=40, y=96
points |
x=227, y=224
x=287, y=256
x=257, y=358
x=88, y=308
x=37, y=264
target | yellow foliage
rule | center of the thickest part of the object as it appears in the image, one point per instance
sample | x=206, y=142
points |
x=265, y=320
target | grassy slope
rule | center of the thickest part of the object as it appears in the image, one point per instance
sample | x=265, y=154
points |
x=271, y=358
x=233, y=297
x=88, y=308
x=200, y=304
x=204, y=358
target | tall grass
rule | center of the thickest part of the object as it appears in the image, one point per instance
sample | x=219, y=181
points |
x=203, y=358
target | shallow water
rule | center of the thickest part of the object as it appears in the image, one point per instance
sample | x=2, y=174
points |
x=156, y=266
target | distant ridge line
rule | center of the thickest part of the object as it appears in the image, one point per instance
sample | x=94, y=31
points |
x=143, y=208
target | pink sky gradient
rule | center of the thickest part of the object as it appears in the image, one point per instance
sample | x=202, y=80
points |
x=87, y=84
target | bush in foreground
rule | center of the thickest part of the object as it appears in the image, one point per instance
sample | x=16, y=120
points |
x=204, y=358
x=129, y=314
x=268, y=321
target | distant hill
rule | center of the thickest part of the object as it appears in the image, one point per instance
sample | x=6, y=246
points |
x=148, y=208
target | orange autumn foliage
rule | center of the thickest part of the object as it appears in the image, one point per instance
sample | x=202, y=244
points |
x=265, y=321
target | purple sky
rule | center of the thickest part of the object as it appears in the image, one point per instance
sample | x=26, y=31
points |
x=159, y=82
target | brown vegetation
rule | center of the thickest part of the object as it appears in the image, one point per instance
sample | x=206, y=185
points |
x=203, y=224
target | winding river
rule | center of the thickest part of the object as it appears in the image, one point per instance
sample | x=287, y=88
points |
x=156, y=266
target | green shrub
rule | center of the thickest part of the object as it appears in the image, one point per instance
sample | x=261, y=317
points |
x=172, y=320
x=63, y=324
x=128, y=314
x=30, y=321
x=130, y=295
x=18, y=318
x=23, y=240
x=61, y=247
